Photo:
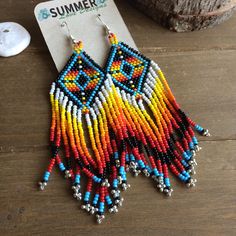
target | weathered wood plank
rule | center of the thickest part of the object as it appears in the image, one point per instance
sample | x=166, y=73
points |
x=204, y=87
x=146, y=33
x=209, y=209
x=187, y=15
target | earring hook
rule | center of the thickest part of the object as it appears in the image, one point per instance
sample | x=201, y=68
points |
x=64, y=24
x=105, y=25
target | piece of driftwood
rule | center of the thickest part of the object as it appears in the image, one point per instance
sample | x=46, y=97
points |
x=187, y=15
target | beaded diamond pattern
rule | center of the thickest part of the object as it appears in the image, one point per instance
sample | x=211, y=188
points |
x=127, y=67
x=81, y=79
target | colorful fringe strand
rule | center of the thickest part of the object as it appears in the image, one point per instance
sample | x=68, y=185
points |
x=101, y=125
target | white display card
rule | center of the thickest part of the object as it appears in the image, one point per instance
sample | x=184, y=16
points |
x=81, y=18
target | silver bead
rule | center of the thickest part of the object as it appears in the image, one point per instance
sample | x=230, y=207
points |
x=113, y=191
x=168, y=192
x=119, y=178
x=125, y=186
x=194, y=153
x=119, y=202
x=42, y=185
x=113, y=209
x=192, y=162
x=100, y=218
x=133, y=165
x=160, y=187
x=136, y=173
x=117, y=194
x=206, y=133
x=93, y=210
x=76, y=188
x=147, y=174
x=197, y=148
x=67, y=174
x=87, y=207
x=78, y=196
x=160, y=180
x=117, y=163
x=192, y=171
x=191, y=183
x=107, y=183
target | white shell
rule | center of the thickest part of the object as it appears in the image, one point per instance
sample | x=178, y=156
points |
x=14, y=38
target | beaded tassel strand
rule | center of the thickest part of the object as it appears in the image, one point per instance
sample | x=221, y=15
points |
x=110, y=105
x=80, y=84
x=173, y=143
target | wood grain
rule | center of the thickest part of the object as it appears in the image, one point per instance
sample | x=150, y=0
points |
x=147, y=33
x=209, y=209
x=200, y=67
x=221, y=37
x=187, y=15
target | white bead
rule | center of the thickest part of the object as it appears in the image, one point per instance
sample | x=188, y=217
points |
x=101, y=97
x=88, y=119
x=57, y=94
x=65, y=101
x=52, y=88
x=109, y=80
x=74, y=110
x=79, y=115
x=93, y=114
x=61, y=97
x=69, y=106
x=124, y=95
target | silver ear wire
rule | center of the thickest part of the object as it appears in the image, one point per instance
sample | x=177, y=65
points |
x=64, y=24
x=108, y=31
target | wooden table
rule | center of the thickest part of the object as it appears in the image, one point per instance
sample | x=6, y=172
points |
x=201, y=68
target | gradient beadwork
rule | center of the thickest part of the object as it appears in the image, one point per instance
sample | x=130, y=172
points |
x=86, y=113
x=113, y=120
x=167, y=134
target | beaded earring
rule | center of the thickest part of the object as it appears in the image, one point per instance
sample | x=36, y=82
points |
x=109, y=106
x=84, y=101
x=164, y=132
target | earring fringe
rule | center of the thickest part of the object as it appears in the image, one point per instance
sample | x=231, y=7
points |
x=126, y=120
x=163, y=130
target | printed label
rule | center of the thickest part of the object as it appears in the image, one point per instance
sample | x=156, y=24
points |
x=81, y=18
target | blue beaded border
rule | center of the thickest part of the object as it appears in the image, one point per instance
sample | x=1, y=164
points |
x=66, y=69
x=133, y=53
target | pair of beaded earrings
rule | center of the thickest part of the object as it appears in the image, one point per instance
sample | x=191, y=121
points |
x=108, y=121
